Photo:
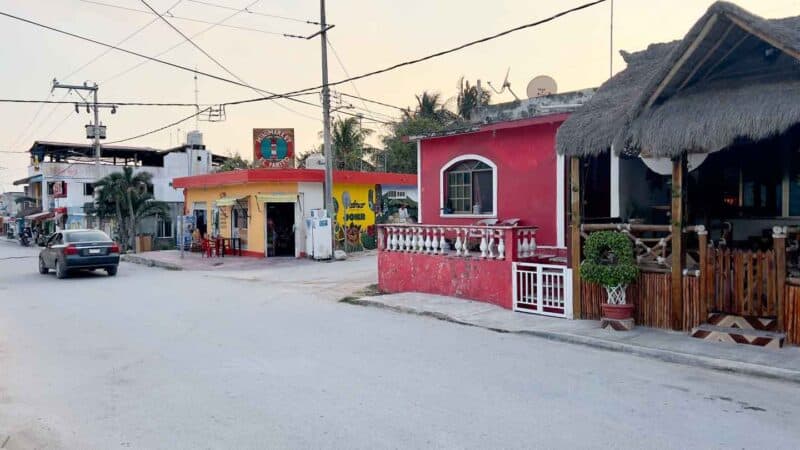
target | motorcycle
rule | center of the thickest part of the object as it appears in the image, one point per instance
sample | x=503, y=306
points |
x=25, y=238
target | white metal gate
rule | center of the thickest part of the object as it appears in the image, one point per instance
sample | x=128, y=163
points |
x=543, y=289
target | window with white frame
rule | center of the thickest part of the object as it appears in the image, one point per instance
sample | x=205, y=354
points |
x=88, y=189
x=468, y=187
x=164, y=227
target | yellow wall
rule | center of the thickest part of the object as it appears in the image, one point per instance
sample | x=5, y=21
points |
x=255, y=225
x=362, y=214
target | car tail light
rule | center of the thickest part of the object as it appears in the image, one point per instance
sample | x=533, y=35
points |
x=114, y=248
x=70, y=250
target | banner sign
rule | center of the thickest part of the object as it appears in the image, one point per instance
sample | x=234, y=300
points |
x=274, y=147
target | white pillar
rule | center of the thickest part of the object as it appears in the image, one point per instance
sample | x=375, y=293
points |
x=560, y=199
x=419, y=182
x=615, y=210
x=45, y=198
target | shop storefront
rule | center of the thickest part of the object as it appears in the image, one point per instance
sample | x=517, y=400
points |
x=264, y=210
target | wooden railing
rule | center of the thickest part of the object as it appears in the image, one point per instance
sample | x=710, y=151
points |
x=651, y=242
x=464, y=241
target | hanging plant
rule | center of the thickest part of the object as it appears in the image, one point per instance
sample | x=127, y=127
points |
x=610, y=262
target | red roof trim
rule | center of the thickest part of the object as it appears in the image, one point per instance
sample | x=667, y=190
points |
x=292, y=175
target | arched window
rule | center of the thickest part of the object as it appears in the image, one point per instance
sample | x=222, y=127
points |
x=469, y=187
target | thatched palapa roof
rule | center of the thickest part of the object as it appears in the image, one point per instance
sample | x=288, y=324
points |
x=734, y=76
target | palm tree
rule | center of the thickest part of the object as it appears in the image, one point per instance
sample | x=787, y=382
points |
x=128, y=193
x=469, y=99
x=348, y=140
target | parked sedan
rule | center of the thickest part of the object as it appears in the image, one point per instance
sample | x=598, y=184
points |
x=77, y=250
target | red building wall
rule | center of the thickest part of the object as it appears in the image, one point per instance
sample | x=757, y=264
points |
x=478, y=279
x=526, y=170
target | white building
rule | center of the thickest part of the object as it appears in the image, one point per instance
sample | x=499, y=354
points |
x=62, y=176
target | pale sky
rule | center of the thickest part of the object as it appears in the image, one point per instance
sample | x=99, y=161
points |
x=368, y=35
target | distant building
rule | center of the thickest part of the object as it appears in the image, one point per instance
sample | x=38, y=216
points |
x=62, y=176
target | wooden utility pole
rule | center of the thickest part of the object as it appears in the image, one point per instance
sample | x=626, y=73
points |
x=575, y=233
x=678, y=171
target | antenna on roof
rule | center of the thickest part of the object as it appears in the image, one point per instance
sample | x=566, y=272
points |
x=506, y=85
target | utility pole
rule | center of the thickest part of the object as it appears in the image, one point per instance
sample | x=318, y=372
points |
x=95, y=130
x=326, y=115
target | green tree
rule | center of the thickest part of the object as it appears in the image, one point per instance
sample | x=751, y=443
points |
x=398, y=153
x=431, y=106
x=348, y=141
x=234, y=162
x=126, y=197
x=469, y=99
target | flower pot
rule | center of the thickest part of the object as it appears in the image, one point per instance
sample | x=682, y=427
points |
x=617, y=312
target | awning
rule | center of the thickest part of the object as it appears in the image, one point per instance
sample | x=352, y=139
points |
x=276, y=197
x=40, y=216
x=28, y=180
x=229, y=201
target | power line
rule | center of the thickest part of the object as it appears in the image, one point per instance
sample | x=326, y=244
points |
x=273, y=16
x=178, y=122
x=110, y=103
x=188, y=19
x=373, y=101
x=223, y=67
x=457, y=48
x=125, y=39
x=148, y=58
x=87, y=64
x=349, y=79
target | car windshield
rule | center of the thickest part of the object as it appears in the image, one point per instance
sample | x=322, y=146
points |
x=86, y=236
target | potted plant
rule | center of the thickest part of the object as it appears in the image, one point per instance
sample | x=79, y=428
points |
x=610, y=262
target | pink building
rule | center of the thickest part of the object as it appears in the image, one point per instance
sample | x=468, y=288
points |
x=492, y=212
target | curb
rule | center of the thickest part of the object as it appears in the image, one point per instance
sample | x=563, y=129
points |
x=133, y=259
x=723, y=365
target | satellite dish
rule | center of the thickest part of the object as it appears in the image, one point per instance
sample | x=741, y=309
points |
x=663, y=166
x=541, y=86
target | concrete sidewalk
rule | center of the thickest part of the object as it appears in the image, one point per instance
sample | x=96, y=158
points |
x=667, y=346
x=171, y=259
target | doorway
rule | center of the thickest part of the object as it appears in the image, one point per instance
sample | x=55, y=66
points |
x=280, y=228
x=199, y=211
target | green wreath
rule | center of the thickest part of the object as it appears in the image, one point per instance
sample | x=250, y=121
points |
x=609, y=259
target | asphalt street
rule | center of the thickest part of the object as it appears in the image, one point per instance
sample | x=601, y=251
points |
x=269, y=359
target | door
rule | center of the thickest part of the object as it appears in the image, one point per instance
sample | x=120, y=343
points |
x=51, y=250
x=280, y=229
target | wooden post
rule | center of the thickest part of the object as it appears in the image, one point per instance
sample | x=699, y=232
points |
x=575, y=234
x=779, y=243
x=678, y=169
x=702, y=242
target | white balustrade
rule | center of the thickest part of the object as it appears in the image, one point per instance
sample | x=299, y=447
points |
x=457, y=241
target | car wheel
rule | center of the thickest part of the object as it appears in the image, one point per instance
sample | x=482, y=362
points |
x=112, y=271
x=42, y=268
x=61, y=272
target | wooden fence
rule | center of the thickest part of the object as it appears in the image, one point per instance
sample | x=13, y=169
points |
x=791, y=302
x=650, y=295
x=742, y=282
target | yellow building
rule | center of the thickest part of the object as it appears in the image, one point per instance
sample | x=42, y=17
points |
x=266, y=208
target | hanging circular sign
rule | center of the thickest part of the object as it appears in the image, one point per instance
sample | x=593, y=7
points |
x=274, y=147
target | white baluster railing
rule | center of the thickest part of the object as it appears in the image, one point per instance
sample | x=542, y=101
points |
x=461, y=241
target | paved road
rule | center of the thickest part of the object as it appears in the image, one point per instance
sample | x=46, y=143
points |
x=159, y=359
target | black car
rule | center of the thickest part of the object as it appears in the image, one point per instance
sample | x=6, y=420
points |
x=77, y=250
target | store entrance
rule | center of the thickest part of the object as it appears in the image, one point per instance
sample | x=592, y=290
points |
x=280, y=229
